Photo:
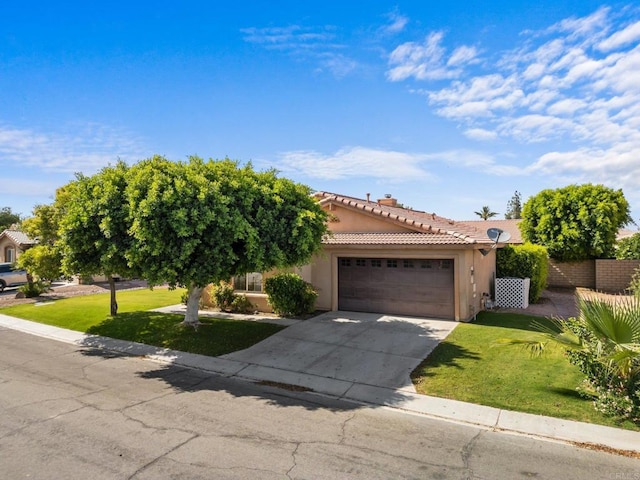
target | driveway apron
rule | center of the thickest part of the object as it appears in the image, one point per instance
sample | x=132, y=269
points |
x=365, y=348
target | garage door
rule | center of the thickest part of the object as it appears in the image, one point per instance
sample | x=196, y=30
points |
x=397, y=286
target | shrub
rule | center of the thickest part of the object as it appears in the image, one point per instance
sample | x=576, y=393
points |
x=614, y=392
x=634, y=287
x=34, y=289
x=290, y=295
x=241, y=304
x=524, y=261
x=628, y=248
x=223, y=296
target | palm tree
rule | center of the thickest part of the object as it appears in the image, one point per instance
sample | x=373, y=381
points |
x=486, y=213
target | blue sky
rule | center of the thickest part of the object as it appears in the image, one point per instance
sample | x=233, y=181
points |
x=448, y=106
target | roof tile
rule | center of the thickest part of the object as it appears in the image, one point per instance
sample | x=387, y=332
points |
x=450, y=231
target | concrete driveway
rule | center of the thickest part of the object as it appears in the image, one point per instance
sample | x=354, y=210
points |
x=364, y=348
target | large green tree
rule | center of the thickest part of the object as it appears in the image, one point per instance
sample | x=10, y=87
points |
x=94, y=232
x=577, y=222
x=200, y=222
x=8, y=218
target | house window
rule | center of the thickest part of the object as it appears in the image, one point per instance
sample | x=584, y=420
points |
x=251, y=282
x=392, y=264
x=376, y=262
x=9, y=255
x=361, y=262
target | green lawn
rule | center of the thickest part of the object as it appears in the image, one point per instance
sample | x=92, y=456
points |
x=90, y=314
x=468, y=366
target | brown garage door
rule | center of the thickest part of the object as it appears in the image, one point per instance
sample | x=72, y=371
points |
x=397, y=286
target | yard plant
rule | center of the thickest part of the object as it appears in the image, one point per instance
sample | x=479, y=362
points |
x=289, y=295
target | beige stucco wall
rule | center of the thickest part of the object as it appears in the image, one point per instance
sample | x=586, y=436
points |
x=6, y=242
x=345, y=220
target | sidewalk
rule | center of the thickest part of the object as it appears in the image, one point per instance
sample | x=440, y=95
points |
x=402, y=399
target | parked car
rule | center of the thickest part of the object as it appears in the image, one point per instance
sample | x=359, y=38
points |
x=11, y=277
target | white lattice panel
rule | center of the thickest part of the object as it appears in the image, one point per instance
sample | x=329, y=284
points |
x=512, y=292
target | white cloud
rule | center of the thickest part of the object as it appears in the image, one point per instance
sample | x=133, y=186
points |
x=292, y=37
x=387, y=165
x=355, y=162
x=591, y=26
x=575, y=84
x=339, y=65
x=568, y=106
x=621, y=38
x=321, y=45
x=427, y=60
x=462, y=55
x=396, y=23
x=480, y=134
x=85, y=148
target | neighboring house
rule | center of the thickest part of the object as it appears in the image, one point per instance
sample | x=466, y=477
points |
x=12, y=244
x=383, y=258
x=510, y=226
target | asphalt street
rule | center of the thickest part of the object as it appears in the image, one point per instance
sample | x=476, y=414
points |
x=75, y=412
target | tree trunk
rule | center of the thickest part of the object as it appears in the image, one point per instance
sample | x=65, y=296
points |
x=112, y=288
x=193, y=302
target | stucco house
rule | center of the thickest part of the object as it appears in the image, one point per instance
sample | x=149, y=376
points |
x=12, y=244
x=382, y=257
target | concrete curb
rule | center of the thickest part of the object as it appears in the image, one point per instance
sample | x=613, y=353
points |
x=405, y=400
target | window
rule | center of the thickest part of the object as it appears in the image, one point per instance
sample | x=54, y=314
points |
x=251, y=282
x=376, y=262
x=361, y=262
x=392, y=264
x=408, y=264
x=426, y=264
x=9, y=255
x=345, y=262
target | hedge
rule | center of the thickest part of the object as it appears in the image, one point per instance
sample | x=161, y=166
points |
x=524, y=261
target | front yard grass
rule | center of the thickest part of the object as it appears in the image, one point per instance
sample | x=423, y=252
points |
x=470, y=367
x=90, y=314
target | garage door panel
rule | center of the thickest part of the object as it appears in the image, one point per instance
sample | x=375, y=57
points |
x=397, y=286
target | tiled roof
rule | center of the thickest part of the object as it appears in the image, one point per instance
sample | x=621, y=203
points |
x=626, y=233
x=510, y=226
x=19, y=237
x=448, y=231
x=409, y=238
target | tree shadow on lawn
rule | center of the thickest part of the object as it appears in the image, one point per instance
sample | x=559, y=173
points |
x=445, y=354
x=215, y=336
x=514, y=321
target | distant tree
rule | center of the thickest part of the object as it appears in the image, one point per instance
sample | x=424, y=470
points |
x=514, y=207
x=628, y=248
x=94, y=231
x=486, y=213
x=8, y=218
x=200, y=222
x=44, y=259
x=577, y=222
